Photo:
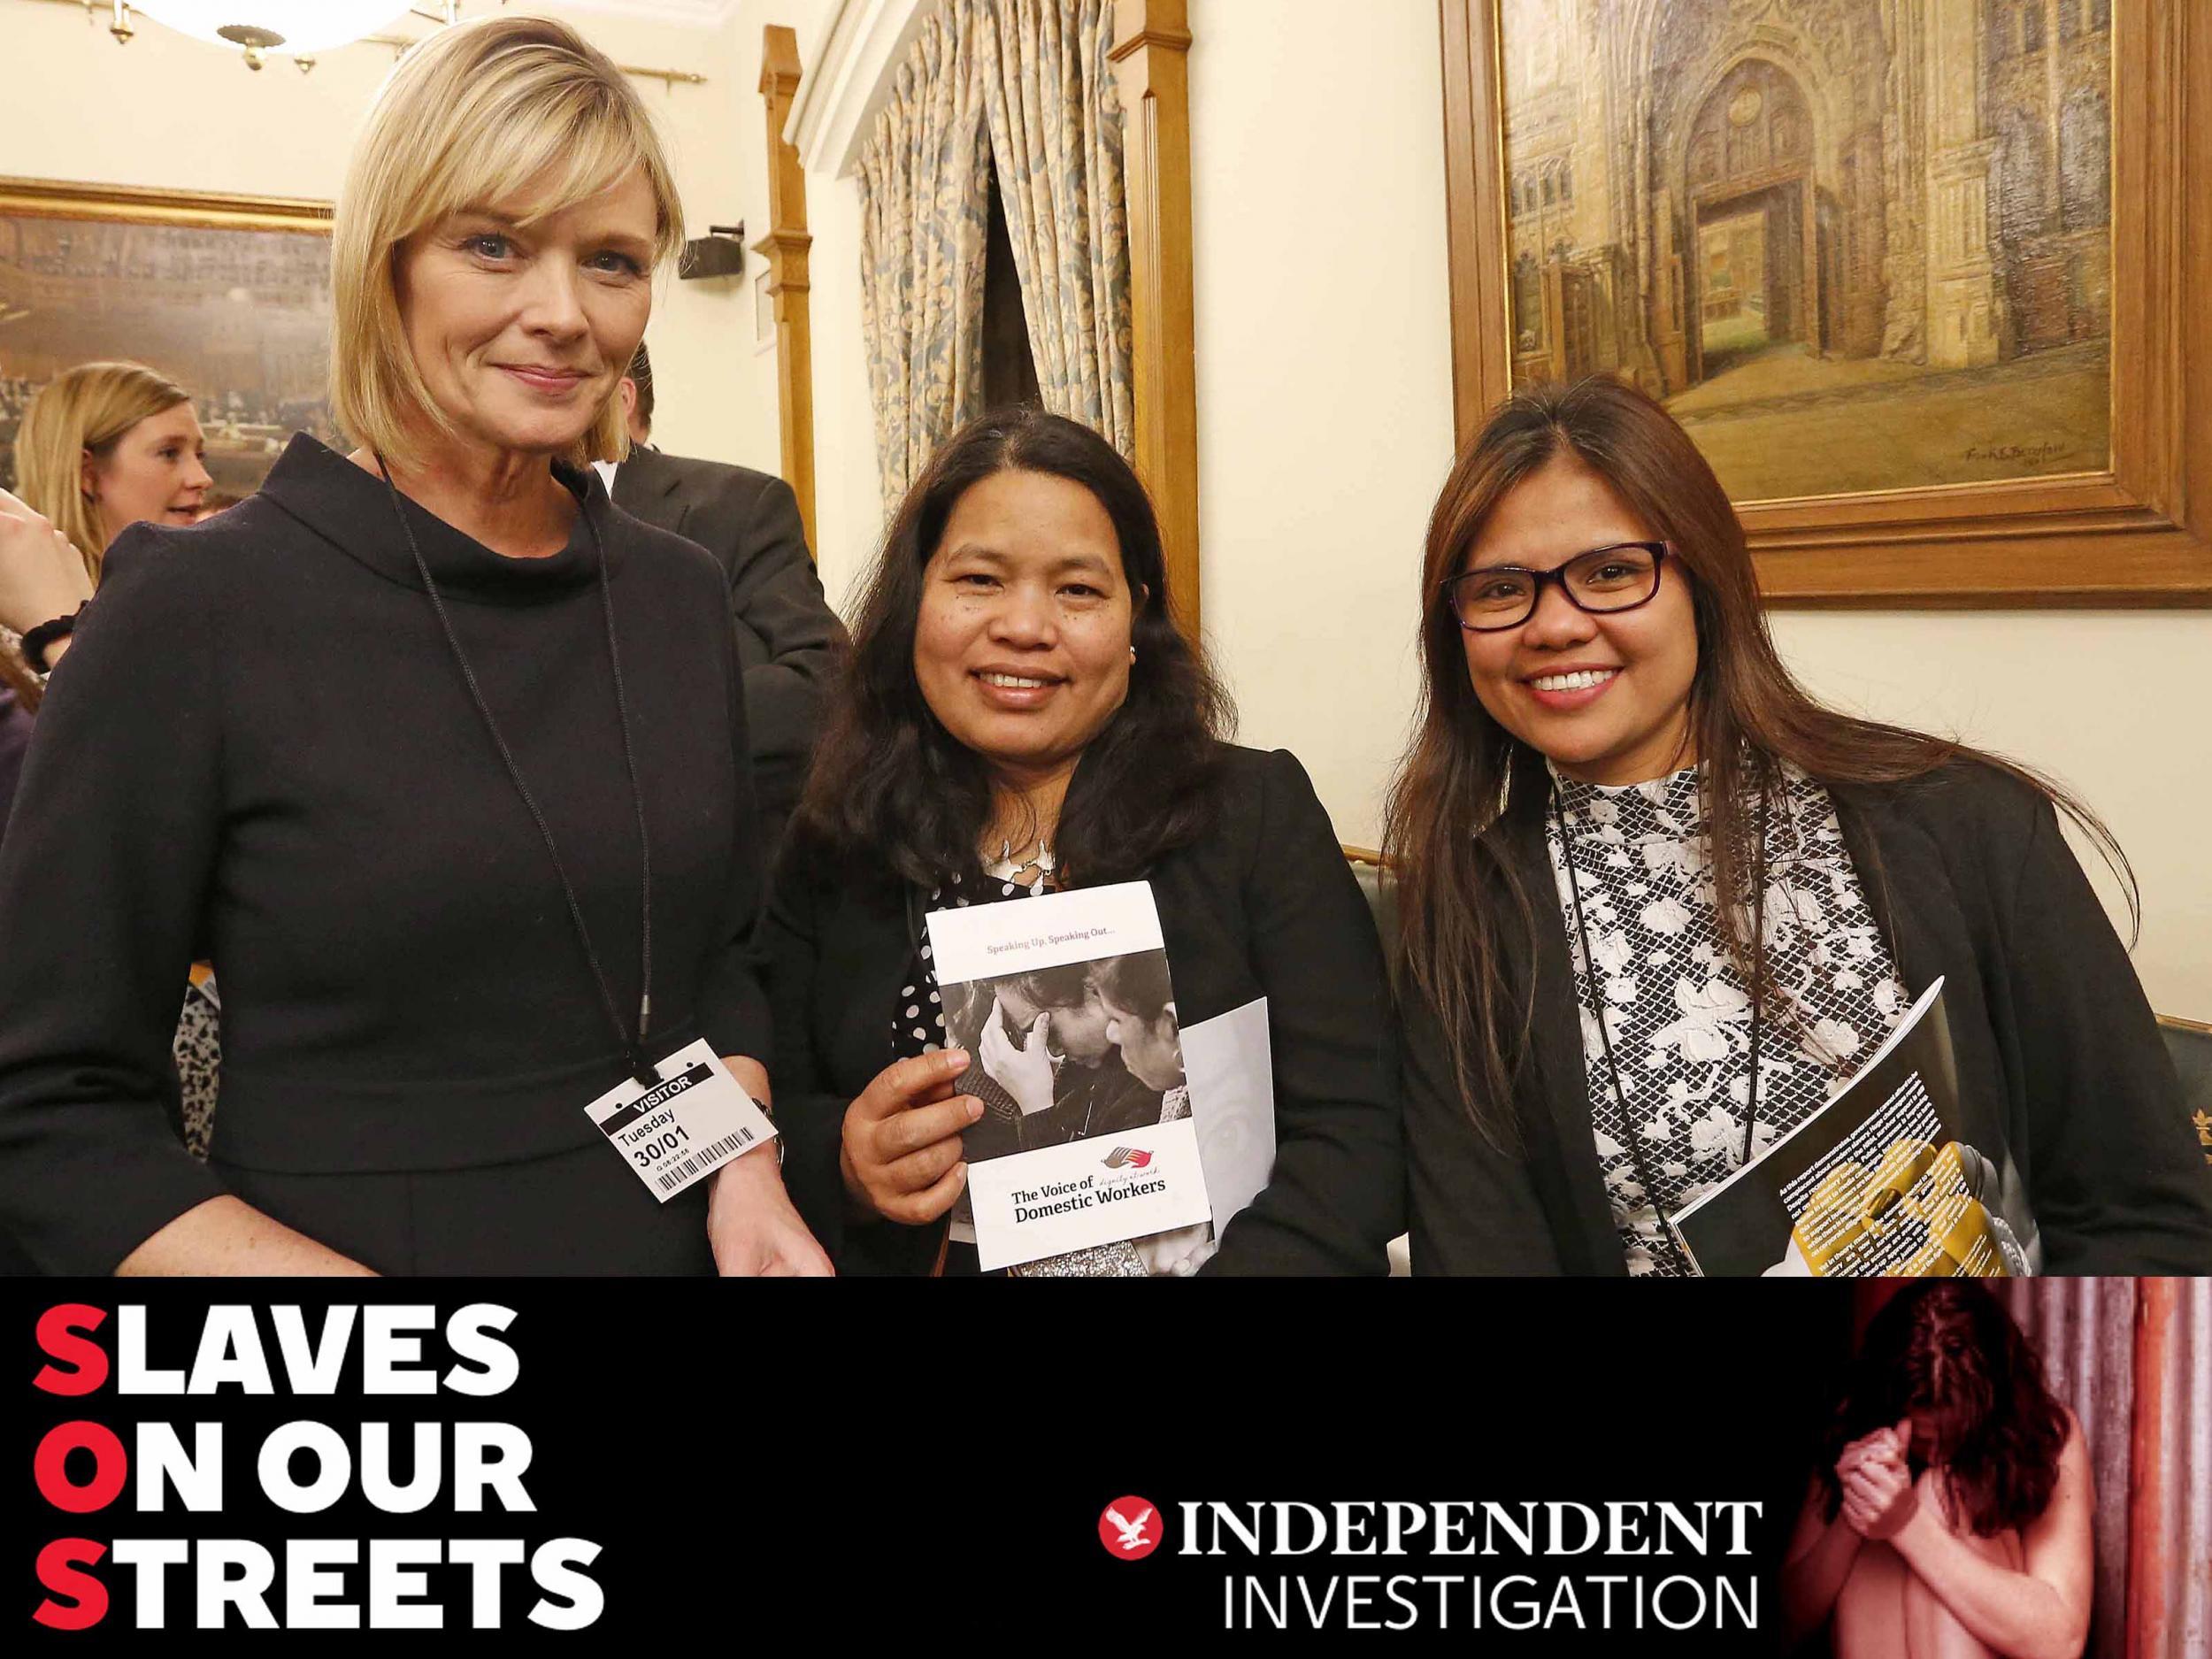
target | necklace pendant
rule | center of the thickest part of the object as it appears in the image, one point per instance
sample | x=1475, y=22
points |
x=1005, y=868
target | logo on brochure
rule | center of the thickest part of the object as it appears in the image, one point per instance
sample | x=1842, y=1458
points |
x=1130, y=1528
x=1131, y=1158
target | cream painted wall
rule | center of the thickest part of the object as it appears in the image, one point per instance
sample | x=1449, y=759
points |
x=849, y=511
x=170, y=112
x=2110, y=704
x=1324, y=377
x=848, y=508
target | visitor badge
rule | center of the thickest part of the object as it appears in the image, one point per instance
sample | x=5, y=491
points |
x=685, y=1126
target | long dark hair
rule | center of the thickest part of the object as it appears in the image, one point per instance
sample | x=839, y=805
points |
x=1138, y=982
x=892, y=791
x=1947, y=1349
x=1748, y=717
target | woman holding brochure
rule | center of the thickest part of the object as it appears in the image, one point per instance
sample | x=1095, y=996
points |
x=1022, y=716
x=1659, y=904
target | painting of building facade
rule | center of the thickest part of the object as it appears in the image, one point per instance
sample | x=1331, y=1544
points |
x=239, y=318
x=1852, y=244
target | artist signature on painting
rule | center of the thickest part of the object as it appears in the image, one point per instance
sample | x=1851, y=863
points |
x=2032, y=453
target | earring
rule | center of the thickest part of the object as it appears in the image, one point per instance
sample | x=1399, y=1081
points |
x=1132, y=653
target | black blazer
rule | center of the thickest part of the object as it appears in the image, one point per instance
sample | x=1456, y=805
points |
x=788, y=639
x=1263, y=904
x=2060, y=1059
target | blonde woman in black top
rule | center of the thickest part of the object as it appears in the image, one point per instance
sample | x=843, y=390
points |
x=439, y=757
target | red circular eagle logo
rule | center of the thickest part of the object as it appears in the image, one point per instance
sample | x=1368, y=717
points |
x=1130, y=1529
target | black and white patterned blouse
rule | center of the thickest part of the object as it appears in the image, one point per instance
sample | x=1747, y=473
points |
x=1677, y=1010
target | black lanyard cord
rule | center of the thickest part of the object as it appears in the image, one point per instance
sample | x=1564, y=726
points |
x=1597, y=999
x=633, y=1046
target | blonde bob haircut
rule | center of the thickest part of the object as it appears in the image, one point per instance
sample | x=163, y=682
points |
x=80, y=410
x=495, y=113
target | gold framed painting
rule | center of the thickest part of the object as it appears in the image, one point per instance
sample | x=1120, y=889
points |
x=1923, y=279
x=229, y=296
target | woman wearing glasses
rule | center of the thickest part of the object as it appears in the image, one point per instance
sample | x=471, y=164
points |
x=1621, y=815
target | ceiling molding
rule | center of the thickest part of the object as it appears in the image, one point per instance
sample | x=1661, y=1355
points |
x=841, y=95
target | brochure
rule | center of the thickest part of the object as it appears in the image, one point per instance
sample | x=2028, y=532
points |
x=1087, y=1137
x=1879, y=1182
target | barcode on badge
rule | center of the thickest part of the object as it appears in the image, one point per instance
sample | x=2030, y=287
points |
x=677, y=1175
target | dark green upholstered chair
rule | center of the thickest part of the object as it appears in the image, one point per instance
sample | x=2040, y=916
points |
x=2190, y=1042
x=1380, y=890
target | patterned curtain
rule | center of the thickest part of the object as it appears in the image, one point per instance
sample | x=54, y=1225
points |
x=1055, y=132
x=925, y=194
x=2133, y=1358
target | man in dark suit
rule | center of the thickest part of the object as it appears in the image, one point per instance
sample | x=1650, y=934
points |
x=788, y=639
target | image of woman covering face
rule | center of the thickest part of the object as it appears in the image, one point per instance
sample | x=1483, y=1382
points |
x=1047, y=1067
x=1952, y=1510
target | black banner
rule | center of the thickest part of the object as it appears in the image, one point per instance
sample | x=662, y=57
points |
x=1554, y=1467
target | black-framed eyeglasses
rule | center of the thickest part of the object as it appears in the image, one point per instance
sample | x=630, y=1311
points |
x=1603, y=581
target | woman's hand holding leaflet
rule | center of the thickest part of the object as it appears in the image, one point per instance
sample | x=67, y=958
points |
x=1176, y=1255
x=901, y=1153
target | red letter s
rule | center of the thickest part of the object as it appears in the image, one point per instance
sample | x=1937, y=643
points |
x=60, y=1570
x=87, y=1360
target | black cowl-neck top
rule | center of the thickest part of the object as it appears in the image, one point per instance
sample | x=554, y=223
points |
x=260, y=750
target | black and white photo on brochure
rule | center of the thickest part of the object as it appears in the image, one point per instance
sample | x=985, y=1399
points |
x=1068, y=1052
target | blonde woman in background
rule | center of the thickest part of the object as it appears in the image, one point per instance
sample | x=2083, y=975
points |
x=443, y=758
x=105, y=446
x=102, y=446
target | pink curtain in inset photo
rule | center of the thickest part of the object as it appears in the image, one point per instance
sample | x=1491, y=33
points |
x=2133, y=1358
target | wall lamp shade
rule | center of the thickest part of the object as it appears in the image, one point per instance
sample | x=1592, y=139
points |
x=290, y=27
x=719, y=253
